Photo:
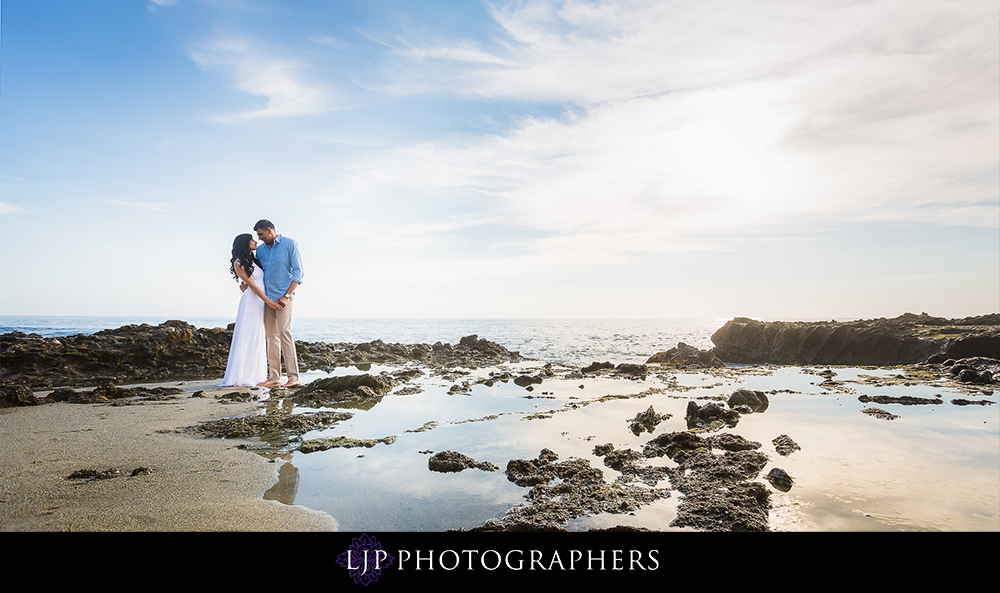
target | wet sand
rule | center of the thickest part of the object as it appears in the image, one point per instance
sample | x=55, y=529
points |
x=195, y=484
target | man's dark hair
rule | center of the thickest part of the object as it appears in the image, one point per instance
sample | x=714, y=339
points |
x=263, y=223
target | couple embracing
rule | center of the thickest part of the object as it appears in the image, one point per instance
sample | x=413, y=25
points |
x=270, y=269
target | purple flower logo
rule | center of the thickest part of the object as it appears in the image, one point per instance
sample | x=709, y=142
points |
x=365, y=559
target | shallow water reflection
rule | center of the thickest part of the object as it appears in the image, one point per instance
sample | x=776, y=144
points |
x=936, y=467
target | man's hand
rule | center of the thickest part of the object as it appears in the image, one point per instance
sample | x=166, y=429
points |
x=243, y=286
x=283, y=302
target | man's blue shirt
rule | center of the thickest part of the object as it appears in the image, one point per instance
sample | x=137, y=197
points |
x=282, y=264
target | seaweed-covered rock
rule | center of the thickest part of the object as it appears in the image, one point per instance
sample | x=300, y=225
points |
x=711, y=416
x=109, y=393
x=718, y=495
x=277, y=423
x=646, y=421
x=581, y=490
x=362, y=391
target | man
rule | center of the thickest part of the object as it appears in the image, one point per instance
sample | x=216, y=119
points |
x=279, y=256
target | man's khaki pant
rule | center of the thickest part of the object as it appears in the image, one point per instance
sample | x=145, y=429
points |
x=278, y=329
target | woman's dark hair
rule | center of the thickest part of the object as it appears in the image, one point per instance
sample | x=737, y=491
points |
x=241, y=251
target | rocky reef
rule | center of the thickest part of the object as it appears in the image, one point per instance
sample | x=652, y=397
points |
x=907, y=339
x=177, y=350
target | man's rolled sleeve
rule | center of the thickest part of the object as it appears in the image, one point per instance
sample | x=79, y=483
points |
x=295, y=263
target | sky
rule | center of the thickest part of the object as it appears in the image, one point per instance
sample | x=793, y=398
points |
x=528, y=159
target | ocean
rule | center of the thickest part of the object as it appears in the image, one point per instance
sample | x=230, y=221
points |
x=575, y=342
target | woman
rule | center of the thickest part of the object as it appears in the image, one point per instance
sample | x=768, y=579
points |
x=248, y=354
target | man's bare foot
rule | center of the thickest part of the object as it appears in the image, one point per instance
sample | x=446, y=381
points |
x=269, y=383
x=290, y=384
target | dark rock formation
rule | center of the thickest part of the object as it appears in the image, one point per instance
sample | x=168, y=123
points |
x=176, y=350
x=597, y=366
x=361, y=390
x=638, y=371
x=270, y=425
x=907, y=339
x=978, y=370
x=785, y=446
x=780, y=479
x=14, y=395
x=753, y=400
x=171, y=350
x=646, y=421
x=879, y=413
x=711, y=416
x=688, y=357
x=718, y=493
x=471, y=351
x=450, y=461
x=581, y=490
x=906, y=400
x=108, y=393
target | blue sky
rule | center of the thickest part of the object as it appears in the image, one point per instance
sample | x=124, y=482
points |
x=491, y=159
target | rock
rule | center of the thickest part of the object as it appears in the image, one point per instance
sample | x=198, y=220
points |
x=270, y=425
x=178, y=350
x=450, y=461
x=780, y=479
x=365, y=390
x=597, y=366
x=646, y=421
x=173, y=349
x=617, y=460
x=315, y=445
x=906, y=400
x=755, y=400
x=632, y=370
x=581, y=490
x=108, y=393
x=879, y=413
x=907, y=339
x=525, y=380
x=684, y=356
x=711, y=416
x=731, y=442
x=718, y=495
x=785, y=446
x=14, y=395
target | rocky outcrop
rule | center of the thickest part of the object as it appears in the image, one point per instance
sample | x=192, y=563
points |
x=688, y=357
x=177, y=350
x=452, y=461
x=132, y=353
x=907, y=339
x=471, y=351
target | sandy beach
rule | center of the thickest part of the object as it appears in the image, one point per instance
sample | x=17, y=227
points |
x=195, y=484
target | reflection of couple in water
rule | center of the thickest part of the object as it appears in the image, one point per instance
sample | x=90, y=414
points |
x=270, y=270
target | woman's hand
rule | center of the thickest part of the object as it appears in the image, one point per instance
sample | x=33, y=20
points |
x=274, y=305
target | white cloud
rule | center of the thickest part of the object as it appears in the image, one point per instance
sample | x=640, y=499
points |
x=257, y=72
x=152, y=206
x=6, y=208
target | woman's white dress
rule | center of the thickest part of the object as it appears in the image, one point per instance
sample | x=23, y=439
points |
x=248, y=352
